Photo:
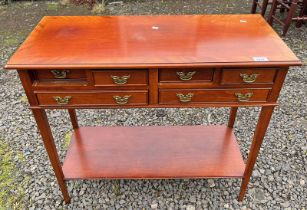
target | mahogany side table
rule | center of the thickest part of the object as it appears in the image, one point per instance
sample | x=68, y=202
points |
x=152, y=62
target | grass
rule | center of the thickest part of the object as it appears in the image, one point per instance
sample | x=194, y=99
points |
x=67, y=140
x=12, y=184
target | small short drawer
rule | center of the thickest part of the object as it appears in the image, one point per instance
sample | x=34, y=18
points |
x=62, y=75
x=186, y=75
x=198, y=96
x=93, y=98
x=248, y=76
x=120, y=78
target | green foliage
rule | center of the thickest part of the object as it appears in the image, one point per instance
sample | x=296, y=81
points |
x=67, y=140
x=11, y=181
x=52, y=5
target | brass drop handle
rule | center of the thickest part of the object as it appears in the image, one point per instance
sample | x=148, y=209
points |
x=62, y=101
x=121, y=100
x=120, y=80
x=60, y=74
x=249, y=78
x=185, y=76
x=185, y=98
x=243, y=97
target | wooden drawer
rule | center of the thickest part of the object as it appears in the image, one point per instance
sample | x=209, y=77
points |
x=248, y=76
x=62, y=75
x=93, y=98
x=198, y=96
x=120, y=78
x=186, y=75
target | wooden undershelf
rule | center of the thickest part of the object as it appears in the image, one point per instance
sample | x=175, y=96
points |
x=153, y=152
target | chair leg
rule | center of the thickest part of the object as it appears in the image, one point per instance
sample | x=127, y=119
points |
x=302, y=13
x=254, y=6
x=289, y=17
x=264, y=7
x=282, y=8
x=272, y=12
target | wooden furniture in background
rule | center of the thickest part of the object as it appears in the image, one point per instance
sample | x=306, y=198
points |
x=262, y=6
x=152, y=62
x=291, y=13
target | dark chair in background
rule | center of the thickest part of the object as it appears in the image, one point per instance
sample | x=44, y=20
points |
x=261, y=4
x=291, y=7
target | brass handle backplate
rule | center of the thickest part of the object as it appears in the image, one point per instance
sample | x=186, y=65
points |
x=249, y=78
x=185, y=76
x=62, y=101
x=243, y=97
x=121, y=100
x=120, y=80
x=185, y=98
x=60, y=74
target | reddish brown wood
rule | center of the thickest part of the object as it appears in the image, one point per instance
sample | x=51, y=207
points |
x=137, y=77
x=44, y=128
x=26, y=81
x=129, y=41
x=153, y=152
x=280, y=78
x=232, y=76
x=219, y=48
x=187, y=85
x=232, y=116
x=188, y=105
x=93, y=98
x=60, y=85
x=211, y=95
x=153, y=86
x=73, y=118
x=170, y=75
x=263, y=123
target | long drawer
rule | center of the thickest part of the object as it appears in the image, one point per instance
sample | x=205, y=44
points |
x=198, y=96
x=115, y=98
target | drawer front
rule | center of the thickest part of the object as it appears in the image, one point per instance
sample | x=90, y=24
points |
x=120, y=78
x=248, y=76
x=93, y=98
x=198, y=96
x=74, y=74
x=186, y=75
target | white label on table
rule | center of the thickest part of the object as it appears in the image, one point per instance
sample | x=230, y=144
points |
x=260, y=59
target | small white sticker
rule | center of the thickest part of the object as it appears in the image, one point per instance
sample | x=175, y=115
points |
x=260, y=59
x=155, y=27
x=243, y=21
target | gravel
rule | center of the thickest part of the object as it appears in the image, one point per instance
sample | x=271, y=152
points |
x=279, y=177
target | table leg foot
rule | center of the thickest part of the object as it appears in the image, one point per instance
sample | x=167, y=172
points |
x=45, y=131
x=262, y=125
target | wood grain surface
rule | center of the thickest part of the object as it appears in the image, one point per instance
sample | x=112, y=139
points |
x=153, y=152
x=151, y=41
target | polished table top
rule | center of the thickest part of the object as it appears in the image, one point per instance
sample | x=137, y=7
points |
x=132, y=41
